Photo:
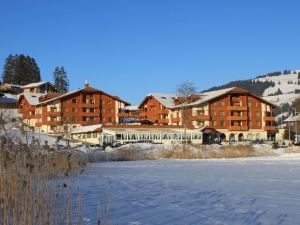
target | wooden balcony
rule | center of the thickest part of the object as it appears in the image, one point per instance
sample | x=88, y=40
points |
x=124, y=114
x=87, y=123
x=175, y=120
x=237, y=108
x=143, y=114
x=49, y=113
x=201, y=117
x=163, y=111
x=163, y=121
x=269, y=118
x=93, y=114
x=238, y=128
x=237, y=118
x=270, y=128
x=38, y=124
x=36, y=116
x=53, y=123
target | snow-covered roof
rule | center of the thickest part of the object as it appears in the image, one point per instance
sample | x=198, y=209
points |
x=33, y=98
x=35, y=84
x=16, y=97
x=11, y=85
x=166, y=99
x=87, y=129
x=292, y=118
x=8, y=100
x=79, y=90
x=132, y=107
x=206, y=96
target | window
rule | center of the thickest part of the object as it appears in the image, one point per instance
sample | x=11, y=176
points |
x=92, y=109
x=73, y=120
x=214, y=123
x=83, y=109
x=109, y=102
x=74, y=110
x=88, y=135
x=257, y=114
x=258, y=124
x=200, y=123
x=92, y=101
x=65, y=128
x=249, y=104
x=103, y=102
x=110, y=119
x=31, y=90
x=222, y=113
x=215, y=104
x=222, y=124
x=74, y=100
x=94, y=135
x=92, y=118
x=222, y=103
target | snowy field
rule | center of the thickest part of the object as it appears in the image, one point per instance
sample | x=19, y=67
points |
x=262, y=190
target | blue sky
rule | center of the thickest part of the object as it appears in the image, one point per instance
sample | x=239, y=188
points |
x=132, y=47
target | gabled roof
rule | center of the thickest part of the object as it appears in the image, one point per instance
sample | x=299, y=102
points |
x=292, y=118
x=85, y=89
x=166, y=99
x=208, y=96
x=10, y=85
x=32, y=98
x=131, y=107
x=37, y=84
x=87, y=129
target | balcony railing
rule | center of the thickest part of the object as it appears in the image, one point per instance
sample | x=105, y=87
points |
x=175, y=120
x=53, y=122
x=52, y=113
x=163, y=121
x=269, y=128
x=237, y=118
x=201, y=117
x=237, y=108
x=269, y=118
x=163, y=111
x=238, y=128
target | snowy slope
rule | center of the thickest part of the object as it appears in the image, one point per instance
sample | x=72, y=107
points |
x=288, y=84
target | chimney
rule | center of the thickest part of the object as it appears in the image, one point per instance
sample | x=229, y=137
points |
x=86, y=84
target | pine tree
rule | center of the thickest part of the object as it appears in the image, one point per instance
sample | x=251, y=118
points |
x=20, y=69
x=61, y=81
x=9, y=70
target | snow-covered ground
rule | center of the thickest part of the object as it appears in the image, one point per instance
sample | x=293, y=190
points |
x=262, y=190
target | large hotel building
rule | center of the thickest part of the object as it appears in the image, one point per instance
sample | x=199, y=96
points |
x=232, y=114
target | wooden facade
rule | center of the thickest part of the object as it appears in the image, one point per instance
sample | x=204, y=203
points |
x=87, y=106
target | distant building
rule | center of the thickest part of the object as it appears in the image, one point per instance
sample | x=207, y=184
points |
x=11, y=88
x=39, y=87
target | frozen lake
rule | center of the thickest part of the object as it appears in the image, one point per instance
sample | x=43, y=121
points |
x=182, y=192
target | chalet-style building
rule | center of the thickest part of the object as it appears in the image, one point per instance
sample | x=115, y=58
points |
x=227, y=114
x=233, y=114
x=39, y=87
x=157, y=108
x=82, y=107
x=27, y=106
x=11, y=88
x=130, y=115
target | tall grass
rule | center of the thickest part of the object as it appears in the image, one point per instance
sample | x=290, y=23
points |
x=34, y=186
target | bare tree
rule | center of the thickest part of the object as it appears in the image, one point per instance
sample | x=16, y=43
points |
x=185, y=90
